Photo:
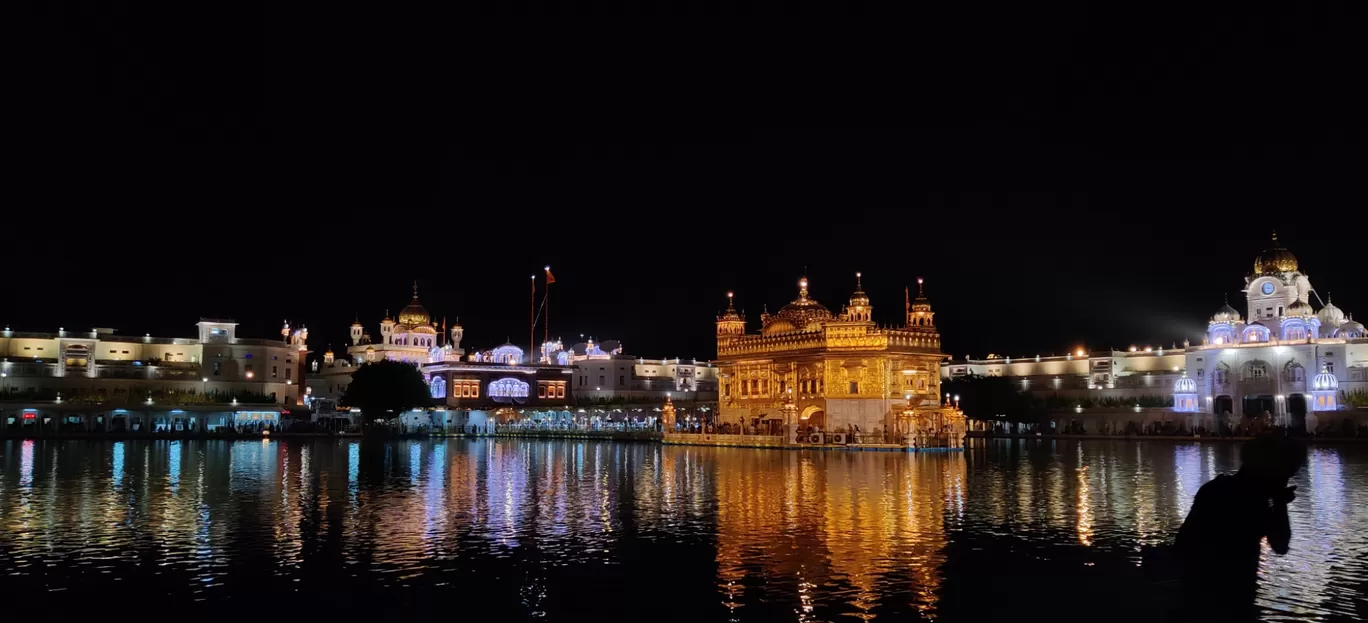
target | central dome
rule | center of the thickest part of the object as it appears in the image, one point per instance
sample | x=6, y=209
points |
x=802, y=314
x=1275, y=259
x=414, y=314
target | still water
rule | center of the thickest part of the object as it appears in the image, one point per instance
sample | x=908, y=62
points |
x=631, y=531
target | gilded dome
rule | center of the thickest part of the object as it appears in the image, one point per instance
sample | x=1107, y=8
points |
x=414, y=314
x=802, y=314
x=859, y=298
x=1275, y=259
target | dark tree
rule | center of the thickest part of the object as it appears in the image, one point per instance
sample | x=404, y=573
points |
x=987, y=397
x=386, y=389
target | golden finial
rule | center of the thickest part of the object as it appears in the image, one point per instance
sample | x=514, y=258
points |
x=859, y=284
x=803, y=288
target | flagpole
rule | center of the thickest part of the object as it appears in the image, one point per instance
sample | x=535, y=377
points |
x=546, y=328
x=532, y=320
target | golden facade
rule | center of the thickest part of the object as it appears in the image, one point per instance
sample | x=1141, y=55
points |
x=809, y=368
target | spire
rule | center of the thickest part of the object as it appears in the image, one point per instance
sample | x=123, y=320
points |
x=415, y=288
x=803, y=288
x=907, y=299
x=730, y=307
x=859, y=284
x=921, y=289
x=1275, y=237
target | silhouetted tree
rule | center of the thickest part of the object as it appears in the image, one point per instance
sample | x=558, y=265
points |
x=386, y=389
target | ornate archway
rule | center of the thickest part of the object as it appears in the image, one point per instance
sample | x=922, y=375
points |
x=813, y=416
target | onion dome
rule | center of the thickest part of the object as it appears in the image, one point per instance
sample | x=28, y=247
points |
x=1300, y=309
x=859, y=298
x=1351, y=328
x=1185, y=385
x=1324, y=381
x=802, y=314
x=730, y=315
x=414, y=314
x=356, y=324
x=387, y=319
x=1226, y=314
x=1330, y=316
x=1275, y=259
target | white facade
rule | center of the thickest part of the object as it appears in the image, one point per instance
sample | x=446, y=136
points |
x=1283, y=358
x=645, y=380
x=413, y=338
x=99, y=367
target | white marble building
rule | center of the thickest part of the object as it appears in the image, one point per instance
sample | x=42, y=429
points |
x=1281, y=357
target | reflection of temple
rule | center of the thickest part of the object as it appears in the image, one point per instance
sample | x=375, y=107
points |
x=875, y=527
x=840, y=371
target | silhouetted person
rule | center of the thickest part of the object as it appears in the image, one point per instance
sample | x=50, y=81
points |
x=1219, y=543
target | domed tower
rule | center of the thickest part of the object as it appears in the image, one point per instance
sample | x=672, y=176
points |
x=1324, y=391
x=730, y=322
x=919, y=312
x=414, y=315
x=859, y=309
x=1223, y=326
x=457, y=331
x=356, y=331
x=328, y=356
x=1185, y=395
x=1330, y=315
x=1276, y=284
x=386, y=329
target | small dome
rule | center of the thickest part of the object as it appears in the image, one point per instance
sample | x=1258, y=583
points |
x=1185, y=385
x=356, y=324
x=1226, y=314
x=1330, y=315
x=1324, y=381
x=1275, y=259
x=1352, y=328
x=859, y=298
x=1300, y=309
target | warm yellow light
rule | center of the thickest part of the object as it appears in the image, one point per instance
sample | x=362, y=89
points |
x=729, y=295
x=1078, y=353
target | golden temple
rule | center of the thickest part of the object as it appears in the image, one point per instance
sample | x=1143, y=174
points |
x=811, y=370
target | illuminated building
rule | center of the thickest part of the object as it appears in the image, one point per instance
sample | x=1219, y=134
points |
x=1262, y=362
x=91, y=380
x=412, y=338
x=633, y=379
x=809, y=367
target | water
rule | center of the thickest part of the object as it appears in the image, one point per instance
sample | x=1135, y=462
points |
x=601, y=531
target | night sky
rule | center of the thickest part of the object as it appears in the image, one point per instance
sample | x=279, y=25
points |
x=1060, y=176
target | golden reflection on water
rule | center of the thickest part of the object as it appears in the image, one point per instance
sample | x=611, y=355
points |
x=801, y=534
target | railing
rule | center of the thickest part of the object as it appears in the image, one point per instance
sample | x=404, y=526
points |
x=724, y=440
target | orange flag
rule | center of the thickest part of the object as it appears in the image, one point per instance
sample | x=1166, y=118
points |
x=550, y=278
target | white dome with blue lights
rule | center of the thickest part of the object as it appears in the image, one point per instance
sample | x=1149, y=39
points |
x=1185, y=385
x=1324, y=381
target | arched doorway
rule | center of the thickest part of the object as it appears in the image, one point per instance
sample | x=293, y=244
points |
x=812, y=417
x=1224, y=405
x=1253, y=406
x=1296, y=412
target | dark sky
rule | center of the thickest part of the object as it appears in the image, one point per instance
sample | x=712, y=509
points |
x=1059, y=175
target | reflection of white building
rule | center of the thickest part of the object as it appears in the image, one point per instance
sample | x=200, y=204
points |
x=1281, y=357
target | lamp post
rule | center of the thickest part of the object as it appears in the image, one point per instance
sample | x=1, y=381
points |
x=204, y=387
